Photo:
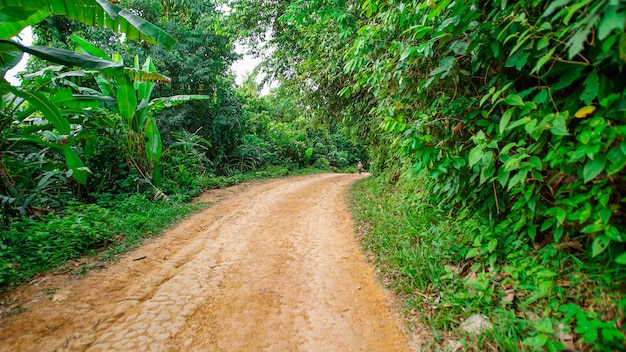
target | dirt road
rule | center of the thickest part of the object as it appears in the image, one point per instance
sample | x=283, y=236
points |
x=272, y=266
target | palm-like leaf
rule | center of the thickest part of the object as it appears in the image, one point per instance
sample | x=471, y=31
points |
x=50, y=111
x=98, y=13
x=66, y=57
x=158, y=104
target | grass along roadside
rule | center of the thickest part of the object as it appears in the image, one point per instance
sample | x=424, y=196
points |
x=98, y=233
x=523, y=299
x=104, y=229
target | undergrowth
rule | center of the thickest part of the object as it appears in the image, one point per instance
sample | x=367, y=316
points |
x=110, y=226
x=550, y=298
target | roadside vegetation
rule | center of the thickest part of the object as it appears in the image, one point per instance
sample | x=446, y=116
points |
x=496, y=132
x=497, y=135
x=111, y=134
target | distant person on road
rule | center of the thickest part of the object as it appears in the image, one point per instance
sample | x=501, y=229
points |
x=360, y=167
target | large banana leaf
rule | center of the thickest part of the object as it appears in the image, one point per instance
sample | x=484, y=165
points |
x=90, y=48
x=127, y=100
x=154, y=145
x=67, y=58
x=75, y=165
x=144, y=88
x=9, y=57
x=18, y=14
x=43, y=104
x=159, y=104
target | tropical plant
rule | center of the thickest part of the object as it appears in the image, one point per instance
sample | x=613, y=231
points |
x=514, y=110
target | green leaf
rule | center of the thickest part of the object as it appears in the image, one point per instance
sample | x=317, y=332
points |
x=492, y=245
x=536, y=342
x=475, y=155
x=600, y=243
x=504, y=121
x=503, y=176
x=488, y=170
x=514, y=100
x=66, y=57
x=594, y=167
x=90, y=144
x=144, y=87
x=158, y=104
x=90, y=48
x=622, y=47
x=47, y=108
x=9, y=57
x=156, y=176
x=522, y=121
x=126, y=99
x=154, y=145
x=611, y=21
x=621, y=259
x=559, y=127
x=445, y=65
x=591, y=228
x=517, y=60
x=472, y=253
x=16, y=18
x=519, y=177
x=100, y=13
x=554, y=5
x=617, y=160
x=75, y=164
x=592, y=85
x=576, y=42
x=543, y=60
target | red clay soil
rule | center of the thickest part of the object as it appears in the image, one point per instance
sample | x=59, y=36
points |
x=271, y=266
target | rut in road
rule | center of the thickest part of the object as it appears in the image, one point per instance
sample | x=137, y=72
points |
x=273, y=266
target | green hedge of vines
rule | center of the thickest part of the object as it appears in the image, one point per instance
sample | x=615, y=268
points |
x=515, y=108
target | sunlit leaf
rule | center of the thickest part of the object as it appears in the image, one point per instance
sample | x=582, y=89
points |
x=504, y=120
x=584, y=111
x=600, y=243
x=559, y=126
x=475, y=155
x=514, y=100
x=90, y=48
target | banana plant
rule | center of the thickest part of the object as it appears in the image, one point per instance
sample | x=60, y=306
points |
x=17, y=15
x=132, y=92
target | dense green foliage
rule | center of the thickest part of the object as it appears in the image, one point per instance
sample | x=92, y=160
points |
x=122, y=120
x=29, y=247
x=499, y=127
x=511, y=111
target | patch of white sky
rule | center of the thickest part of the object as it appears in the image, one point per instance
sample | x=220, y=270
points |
x=25, y=38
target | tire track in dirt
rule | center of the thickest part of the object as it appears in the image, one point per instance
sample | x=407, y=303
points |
x=274, y=266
